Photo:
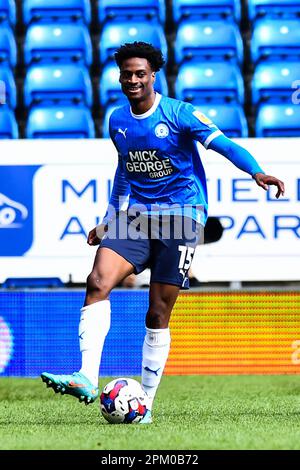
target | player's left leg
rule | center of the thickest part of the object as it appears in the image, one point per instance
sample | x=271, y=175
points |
x=171, y=256
x=162, y=298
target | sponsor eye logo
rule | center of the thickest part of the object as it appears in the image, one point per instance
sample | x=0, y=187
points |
x=161, y=131
x=12, y=213
x=16, y=208
x=6, y=344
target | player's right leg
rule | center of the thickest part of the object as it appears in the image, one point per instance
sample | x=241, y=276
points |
x=109, y=269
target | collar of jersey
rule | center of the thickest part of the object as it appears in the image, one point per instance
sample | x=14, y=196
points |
x=150, y=111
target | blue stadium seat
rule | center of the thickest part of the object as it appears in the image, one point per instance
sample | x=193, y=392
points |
x=116, y=33
x=198, y=82
x=63, y=84
x=8, y=48
x=273, y=8
x=8, y=91
x=230, y=118
x=278, y=120
x=183, y=9
x=32, y=283
x=110, y=88
x=53, y=10
x=132, y=9
x=8, y=11
x=58, y=42
x=272, y=81
x=108, y=111
x=60, y=122
x=275, y=39
x=8, y=124
x=208, y=40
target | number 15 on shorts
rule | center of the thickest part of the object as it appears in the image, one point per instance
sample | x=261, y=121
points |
x=186, y=257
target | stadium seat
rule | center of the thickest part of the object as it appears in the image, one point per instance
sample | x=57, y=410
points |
x=149, y=10
x=60, y=42
x=53, y=10
x=183, y=9
x=272, y=81
x=32, y=283
x=8, y=124
x=108, y=111
x=208, y=40
x=60, y=122
x=278, y=120
x=273, y=8
x=8, y=48
x=116, y=33
x=275, y=40
x=230, y=118
x=63, y=83
x=8, y=91
x=8, y=11
x=198, y=82
x=110, y=88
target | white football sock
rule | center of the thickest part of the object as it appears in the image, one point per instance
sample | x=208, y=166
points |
x=155, y=354
x=93, y=327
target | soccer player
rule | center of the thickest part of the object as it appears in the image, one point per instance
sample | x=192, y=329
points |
x=160, y=169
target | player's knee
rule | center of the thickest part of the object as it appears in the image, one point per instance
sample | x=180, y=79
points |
x=98, y=286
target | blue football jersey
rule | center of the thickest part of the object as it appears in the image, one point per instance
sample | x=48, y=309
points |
x=158, y=155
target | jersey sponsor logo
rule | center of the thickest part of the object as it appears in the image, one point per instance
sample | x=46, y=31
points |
x=161, y=130
x=202, y=118
x=149, y=163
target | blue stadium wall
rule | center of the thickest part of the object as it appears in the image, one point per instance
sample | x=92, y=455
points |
x=44, y=330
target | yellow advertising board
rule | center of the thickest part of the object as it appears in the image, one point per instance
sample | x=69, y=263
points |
x=235, y=333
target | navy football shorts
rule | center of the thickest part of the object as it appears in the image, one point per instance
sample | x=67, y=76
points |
x=163, y=243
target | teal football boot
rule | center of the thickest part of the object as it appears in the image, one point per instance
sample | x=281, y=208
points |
x=76, y=384
x=147, y=419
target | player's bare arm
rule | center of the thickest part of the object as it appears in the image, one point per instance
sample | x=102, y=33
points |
x=264, y=181
x=96, y=234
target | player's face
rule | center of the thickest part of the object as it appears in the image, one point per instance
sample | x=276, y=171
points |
x=136, y=78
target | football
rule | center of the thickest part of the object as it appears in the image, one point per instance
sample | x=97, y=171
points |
x=123, y=401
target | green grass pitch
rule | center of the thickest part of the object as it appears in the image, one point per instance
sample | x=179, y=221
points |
x=190, y=412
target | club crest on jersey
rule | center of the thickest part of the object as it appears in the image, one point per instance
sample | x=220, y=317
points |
x=161, y=130
x=202, y=118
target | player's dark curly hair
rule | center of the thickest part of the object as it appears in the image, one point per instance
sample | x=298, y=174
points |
x=143, y=50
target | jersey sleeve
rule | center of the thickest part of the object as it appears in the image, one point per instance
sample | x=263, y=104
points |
x=120, y=190
x=197, y=125
x=237, y=154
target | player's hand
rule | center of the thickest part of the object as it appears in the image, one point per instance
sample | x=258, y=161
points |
x=264, y=181
x=96, y=234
